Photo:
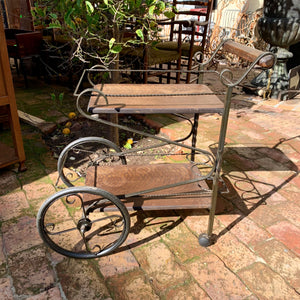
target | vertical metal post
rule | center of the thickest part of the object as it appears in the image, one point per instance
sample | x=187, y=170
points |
x=194, y=136
x=200, y=76
x=114, y=131
x=220, y=151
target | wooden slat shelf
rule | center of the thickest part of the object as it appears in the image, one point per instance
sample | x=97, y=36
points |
x=184, y=99
x=127, y=179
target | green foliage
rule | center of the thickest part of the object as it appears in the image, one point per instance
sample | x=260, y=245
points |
x=96, y=27
x=60, y=98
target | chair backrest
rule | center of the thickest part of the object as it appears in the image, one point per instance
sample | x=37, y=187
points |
x=29, y=43
x=195, y=11
x=10, y=33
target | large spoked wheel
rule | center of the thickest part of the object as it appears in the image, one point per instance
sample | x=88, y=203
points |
x=83, y=222
x=86, y=152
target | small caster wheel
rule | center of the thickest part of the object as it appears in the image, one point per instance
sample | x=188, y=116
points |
x=204, y=240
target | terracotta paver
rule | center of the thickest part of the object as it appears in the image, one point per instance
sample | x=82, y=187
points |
x=228, y=247
x=276, y=198
x=12, y=205
x=6, y=289
x=21, y=235
x=183, y=243
x=217, y=280
x=149, y=226
x=197, y=222
x=248, y=232
x=290, y=210
x=132, y=285
x=267, y=284
x=159, y=264
x=38, y=190
x=281, y=260
x=31, y=272
x=117, y=263
x=290, y=192
x=79, y=280
x=8, y=182
x=53, y=293
x=265, y=216
x=288, y=234
x=188, y=291
x=2, y=256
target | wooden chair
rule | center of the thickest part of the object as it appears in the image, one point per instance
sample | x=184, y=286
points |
x=27, y=45
x=147, y=56
x=10, y=36
x=194, y=34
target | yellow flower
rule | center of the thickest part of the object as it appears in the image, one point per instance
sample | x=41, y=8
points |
x=130, y=141
x=66, y=131
x=71, y=115
x=68, y=124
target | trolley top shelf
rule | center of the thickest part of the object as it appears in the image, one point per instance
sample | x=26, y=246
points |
x=155, y=98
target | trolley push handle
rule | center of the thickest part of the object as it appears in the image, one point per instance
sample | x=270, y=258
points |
x=249, y=53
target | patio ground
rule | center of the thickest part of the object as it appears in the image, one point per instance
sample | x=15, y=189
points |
x=256, y=255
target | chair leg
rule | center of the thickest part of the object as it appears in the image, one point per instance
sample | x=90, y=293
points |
x=17, y=65
x=189, y=68
x=145, y=77
x=178, y=74
x=24, y=72
x=169, y=73
x=38, y=66
x=160, y=76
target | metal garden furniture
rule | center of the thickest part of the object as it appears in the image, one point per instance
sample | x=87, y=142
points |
x=91, y=219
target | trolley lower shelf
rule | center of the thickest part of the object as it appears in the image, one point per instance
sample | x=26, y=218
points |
x=128, y=181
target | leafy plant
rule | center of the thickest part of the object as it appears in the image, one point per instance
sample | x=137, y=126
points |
x=97, y=29
x=60, y=98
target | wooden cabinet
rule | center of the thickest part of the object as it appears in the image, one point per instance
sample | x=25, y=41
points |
x=8, y=108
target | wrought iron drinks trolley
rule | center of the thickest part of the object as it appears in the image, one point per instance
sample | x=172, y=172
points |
x=91, y=219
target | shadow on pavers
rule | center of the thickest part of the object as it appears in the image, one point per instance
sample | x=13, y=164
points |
x=247, y=192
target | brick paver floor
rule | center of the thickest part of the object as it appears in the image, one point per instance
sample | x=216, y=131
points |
x=257, y=249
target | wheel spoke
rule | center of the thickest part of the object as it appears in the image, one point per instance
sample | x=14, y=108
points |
x=58, y=232
x=68, y=228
